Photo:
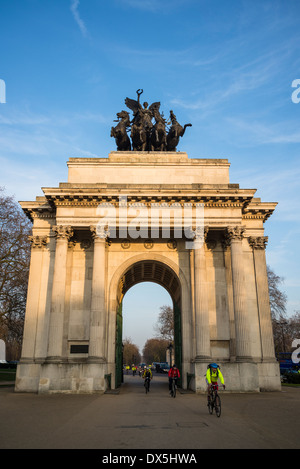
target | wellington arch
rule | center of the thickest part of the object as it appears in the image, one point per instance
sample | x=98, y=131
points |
x=147, y=212
x=80, y=271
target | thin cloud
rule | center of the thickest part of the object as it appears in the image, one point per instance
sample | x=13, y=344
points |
x=240, y=80
x=260, y=133
x=154, y=6
x=79, y=21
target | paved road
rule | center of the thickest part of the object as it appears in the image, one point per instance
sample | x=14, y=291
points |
x=133, y=420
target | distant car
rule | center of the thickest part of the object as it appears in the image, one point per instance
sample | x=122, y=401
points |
x=290, y=376
x=163, y=368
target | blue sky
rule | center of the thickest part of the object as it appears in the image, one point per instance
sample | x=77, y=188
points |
x=225, y=66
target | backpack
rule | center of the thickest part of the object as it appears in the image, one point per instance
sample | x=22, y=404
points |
x=215, y=365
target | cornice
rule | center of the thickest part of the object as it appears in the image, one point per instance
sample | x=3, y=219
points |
x=259, y=210
x=219, y=196
x=169, y=194
x=38, y=209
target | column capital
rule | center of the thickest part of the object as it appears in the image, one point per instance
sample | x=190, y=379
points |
x=234, y=233
x=63, y=232
x=258, y=242
x=199, y=236
x=38, y=241
x=99, y=232
x=201, y=232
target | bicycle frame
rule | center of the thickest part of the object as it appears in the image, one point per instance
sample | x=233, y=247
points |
x=214, y=387
x=215, y=401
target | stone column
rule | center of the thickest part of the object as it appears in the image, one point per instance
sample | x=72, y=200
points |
x=258, y=245
x=98, y=311
x=202, y=332
x=243, y=346
x=228, y=275
x=63, y=234
x=34, y=282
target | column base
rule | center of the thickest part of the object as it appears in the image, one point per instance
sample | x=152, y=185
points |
x=245, y=359
x=269, y=375
x=26, y=361
x=202, y=359
x=78, y=378
x=55, y=360
x=243, y=376
x=96, y=360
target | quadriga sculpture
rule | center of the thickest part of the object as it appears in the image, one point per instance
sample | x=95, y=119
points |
x=148, y=128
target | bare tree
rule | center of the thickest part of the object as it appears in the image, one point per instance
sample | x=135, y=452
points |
x=165, y=323
x=278, y=298
x=14, y=268
x=295, y=326
x=285, y=329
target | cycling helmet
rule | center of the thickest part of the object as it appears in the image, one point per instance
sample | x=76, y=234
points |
x=214, y=365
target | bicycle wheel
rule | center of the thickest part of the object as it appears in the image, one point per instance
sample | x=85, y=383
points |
x=146, y=384
x=210, y=405
x=218, y=405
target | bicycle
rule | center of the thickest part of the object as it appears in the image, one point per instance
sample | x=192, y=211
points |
x=214, y=401
x=147, y=384
x=173, y=388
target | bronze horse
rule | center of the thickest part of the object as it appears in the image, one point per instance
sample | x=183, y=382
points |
x=120, y=132
x=158, y=137
x=176, y=131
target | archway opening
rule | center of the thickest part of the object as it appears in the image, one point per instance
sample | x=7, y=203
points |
x=141, y=274
x=140, y=309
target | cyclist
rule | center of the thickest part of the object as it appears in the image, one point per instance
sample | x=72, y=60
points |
x=173, y=373
x=147, y=375
x=212, y=375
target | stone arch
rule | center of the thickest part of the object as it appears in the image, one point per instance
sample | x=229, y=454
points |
x=155, y=268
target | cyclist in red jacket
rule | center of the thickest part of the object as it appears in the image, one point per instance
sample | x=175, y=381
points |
x=173, y=373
